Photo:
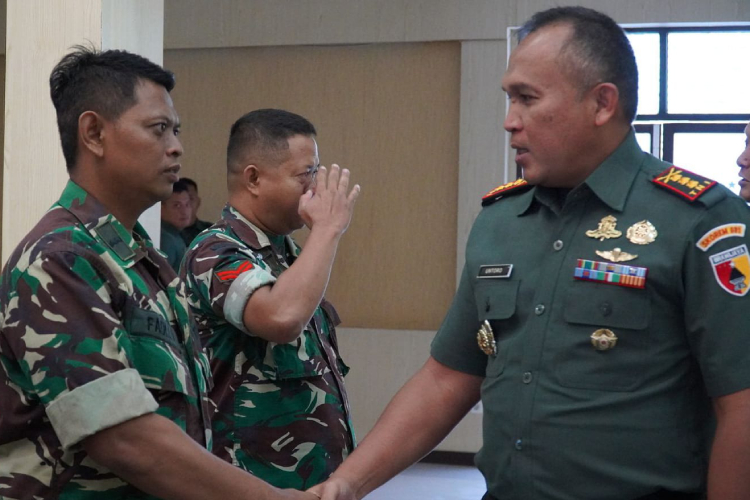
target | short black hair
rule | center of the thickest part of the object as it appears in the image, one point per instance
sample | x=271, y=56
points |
x=104, y=82
x=190, y=182
x=181, y=186
x=264, y=133
x=598, y=51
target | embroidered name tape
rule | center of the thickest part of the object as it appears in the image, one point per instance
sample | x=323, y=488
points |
x=719, y=233
x=608, y=272
x=495, y=271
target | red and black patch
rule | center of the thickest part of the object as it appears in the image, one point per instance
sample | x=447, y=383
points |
x=518, y=185
x=684, y=183
x=232, y=274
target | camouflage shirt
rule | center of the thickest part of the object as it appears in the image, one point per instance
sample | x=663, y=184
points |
x=94, y=331
x=282, y=410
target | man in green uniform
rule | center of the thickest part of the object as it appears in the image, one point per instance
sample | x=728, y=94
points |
x=602, y=309
x=103, y=380
x=282, y=410
x=196, y=225
x=175, y=216
x=743, y=161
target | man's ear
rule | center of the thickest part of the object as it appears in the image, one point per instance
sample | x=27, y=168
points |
x=251, y=178
x=607, y=99
x=91, y=132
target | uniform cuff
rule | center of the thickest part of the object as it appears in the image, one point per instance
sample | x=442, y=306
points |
x=239, y=293
x=107, y=401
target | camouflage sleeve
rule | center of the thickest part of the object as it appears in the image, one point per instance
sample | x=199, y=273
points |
x=66, y=338
x=225, y=275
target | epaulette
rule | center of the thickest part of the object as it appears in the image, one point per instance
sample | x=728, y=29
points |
x=517, y=186
x=683, y=183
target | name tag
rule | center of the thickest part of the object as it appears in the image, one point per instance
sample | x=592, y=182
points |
x=495, y=271
x=149, y=323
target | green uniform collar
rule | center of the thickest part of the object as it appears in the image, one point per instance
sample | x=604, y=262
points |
x=610, y=182
x=249, y=233
x=102, y=225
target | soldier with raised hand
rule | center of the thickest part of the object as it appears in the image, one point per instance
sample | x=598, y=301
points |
x=282, y=410
x=602, y=312
x=103, y=380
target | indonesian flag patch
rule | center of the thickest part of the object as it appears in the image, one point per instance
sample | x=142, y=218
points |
x=232, y=274
x=732, y=270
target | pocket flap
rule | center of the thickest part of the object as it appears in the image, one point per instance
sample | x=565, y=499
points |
x=496, y=300
x=590, y=303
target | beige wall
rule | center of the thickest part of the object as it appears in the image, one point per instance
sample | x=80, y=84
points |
x=390, y=114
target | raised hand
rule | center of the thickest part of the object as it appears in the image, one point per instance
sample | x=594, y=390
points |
x=328, y=204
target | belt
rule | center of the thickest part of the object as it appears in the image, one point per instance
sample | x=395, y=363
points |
x=657, y=495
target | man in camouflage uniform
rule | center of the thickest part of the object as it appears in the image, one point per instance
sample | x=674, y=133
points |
x=103, y=381
x=282, y=410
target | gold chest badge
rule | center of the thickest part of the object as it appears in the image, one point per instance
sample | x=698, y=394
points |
x=486, y=339
x=605, y=230
x=642, y=233
x=603, y=339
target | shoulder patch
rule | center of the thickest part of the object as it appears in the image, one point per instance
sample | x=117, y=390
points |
x=234, y=271
x=683, y=183
x=516, y=186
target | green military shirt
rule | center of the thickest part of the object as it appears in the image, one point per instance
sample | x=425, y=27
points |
x=172, y=245
x=564, y=420
x=282, y=410
x=94, y=331
x=189, y=233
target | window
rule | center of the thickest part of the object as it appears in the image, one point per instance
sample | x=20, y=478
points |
x=693, y=97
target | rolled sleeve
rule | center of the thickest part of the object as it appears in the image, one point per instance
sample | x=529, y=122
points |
x=98, y=405
x=239, y=293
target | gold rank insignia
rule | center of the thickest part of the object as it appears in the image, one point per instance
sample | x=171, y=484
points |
x=605, y=230
x=486, y=339
x=684, y=183
x=503, y=189
x=642, y=233
x=616, y=255
x=603, y=339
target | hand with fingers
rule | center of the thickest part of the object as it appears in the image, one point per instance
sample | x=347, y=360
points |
x=328, y=204
x=333, y=489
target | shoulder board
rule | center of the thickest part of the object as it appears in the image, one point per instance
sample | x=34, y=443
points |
x=517, y=186
x=683, y=183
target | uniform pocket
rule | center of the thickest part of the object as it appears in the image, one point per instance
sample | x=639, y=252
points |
x=156, y=352
x=496, y=303
x=592, y=307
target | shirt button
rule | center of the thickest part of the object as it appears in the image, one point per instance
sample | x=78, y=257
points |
x=539, y=309
x=557, y=245
x=527, y=377
x=519, y=444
